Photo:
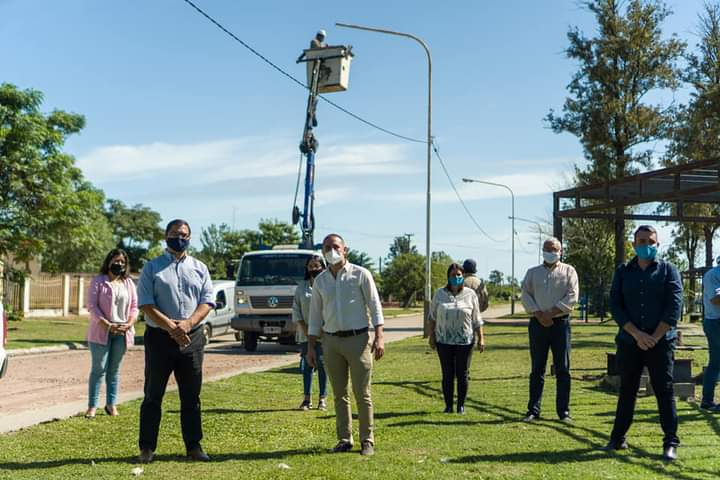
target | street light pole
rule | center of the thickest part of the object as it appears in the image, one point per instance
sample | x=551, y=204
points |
x=512, y=234
x=428, y=252
x=539, y=227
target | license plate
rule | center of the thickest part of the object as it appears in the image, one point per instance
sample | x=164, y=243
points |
x=272, y=330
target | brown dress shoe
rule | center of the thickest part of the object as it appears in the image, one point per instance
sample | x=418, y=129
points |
x=146, y=455
x=197, y=454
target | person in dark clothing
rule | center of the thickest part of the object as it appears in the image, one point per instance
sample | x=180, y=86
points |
x=645, y=300
x=175, y=293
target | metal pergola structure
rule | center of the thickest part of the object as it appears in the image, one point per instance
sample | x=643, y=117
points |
x=681, y=185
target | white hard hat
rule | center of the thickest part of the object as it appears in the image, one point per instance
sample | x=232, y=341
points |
x=321, y=33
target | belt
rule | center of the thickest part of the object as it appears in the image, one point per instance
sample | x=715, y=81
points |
x=347, y=333
x=562, y=317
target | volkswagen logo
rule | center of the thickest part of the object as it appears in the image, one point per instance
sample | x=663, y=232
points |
x=273, y=302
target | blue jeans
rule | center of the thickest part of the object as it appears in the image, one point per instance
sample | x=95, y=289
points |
x=711, y=326
x=307, y=370
x=106, y=361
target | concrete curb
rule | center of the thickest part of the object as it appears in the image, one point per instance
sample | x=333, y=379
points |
x=20, y=352
x=78, y=347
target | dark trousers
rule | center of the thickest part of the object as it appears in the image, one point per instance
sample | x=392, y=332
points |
x=659, y=361
x=455, y=364
x=542, y=340
x=163, y=356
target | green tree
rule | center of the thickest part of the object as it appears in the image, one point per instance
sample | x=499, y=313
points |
x=222, y=247
x=589, y=247
x=696, y=132
x=609, y=108
x=274, y=232
x=81, y=245
x=496, y=277
x=360, y=258
x=47, y=209
x=404, y=278
x=400, y=245
x=136, y=230
x=440, y=263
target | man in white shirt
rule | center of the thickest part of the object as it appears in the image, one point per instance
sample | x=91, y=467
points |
x=344, y=302
x=549, y=293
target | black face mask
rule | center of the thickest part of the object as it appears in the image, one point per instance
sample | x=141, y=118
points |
x=177, y=244
x=314, y=273
x=117, y=269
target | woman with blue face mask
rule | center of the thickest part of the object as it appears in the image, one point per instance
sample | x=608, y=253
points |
x=455, y=327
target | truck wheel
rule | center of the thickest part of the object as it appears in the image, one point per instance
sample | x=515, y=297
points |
x=206, y=333
x=250, y=341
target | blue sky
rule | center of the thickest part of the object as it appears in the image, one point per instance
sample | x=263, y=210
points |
x=186, y=121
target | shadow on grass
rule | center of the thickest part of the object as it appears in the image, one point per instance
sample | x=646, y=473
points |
x=591, y=439
x=555, y=457
x=215, y=458
x=225, y=411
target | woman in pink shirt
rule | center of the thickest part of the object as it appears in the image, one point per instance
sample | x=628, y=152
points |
x=112, y=303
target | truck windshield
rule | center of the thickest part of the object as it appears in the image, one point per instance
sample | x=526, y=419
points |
x=272, y=269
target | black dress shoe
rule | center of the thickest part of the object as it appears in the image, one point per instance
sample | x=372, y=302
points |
x=461, y=409
x=613, y=445
x=146, y=455
x=197, y=454
x=670, y=453
x=448, y=409
x=342, y=447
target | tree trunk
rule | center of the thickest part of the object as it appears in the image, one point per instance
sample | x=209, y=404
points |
x=709, y=232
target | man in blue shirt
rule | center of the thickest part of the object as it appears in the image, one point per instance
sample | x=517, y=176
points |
x=645, y=300
x=175, y=293
x=711, y=326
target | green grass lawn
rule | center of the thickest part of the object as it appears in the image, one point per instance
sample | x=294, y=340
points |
x=51, y=331
x=252, y=427
x=394, y=312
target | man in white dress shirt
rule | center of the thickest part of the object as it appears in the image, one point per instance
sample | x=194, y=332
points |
x=344, y=302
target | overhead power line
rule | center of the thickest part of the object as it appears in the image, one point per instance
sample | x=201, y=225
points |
x=294, y=79
x=459, y=197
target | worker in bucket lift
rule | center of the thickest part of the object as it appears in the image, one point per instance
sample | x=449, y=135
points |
x=319, y=40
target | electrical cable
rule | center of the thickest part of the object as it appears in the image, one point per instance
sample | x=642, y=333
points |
x=295, y=80
x=462, y=202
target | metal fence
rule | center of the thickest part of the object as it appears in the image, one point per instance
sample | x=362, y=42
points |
x=75, y=285
x=12, y=294
x=46, y=292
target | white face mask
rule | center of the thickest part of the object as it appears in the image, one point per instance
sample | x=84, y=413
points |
x=333, y=257
x=551, y=257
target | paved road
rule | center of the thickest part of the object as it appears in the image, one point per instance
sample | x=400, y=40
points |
x=44, y=387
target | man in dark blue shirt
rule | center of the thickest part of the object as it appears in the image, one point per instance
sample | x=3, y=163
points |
x=645, y=300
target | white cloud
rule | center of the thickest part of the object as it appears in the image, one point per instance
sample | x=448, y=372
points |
x=522, y=184
x=236, y=159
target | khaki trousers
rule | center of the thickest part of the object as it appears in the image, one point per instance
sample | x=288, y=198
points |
x=351, y=355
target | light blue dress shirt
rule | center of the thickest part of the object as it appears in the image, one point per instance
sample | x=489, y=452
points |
x=175, y=287
x=711, y=287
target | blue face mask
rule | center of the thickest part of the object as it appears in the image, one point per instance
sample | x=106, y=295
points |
x=646, y=252
x=456, y=281
x=177, y=244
